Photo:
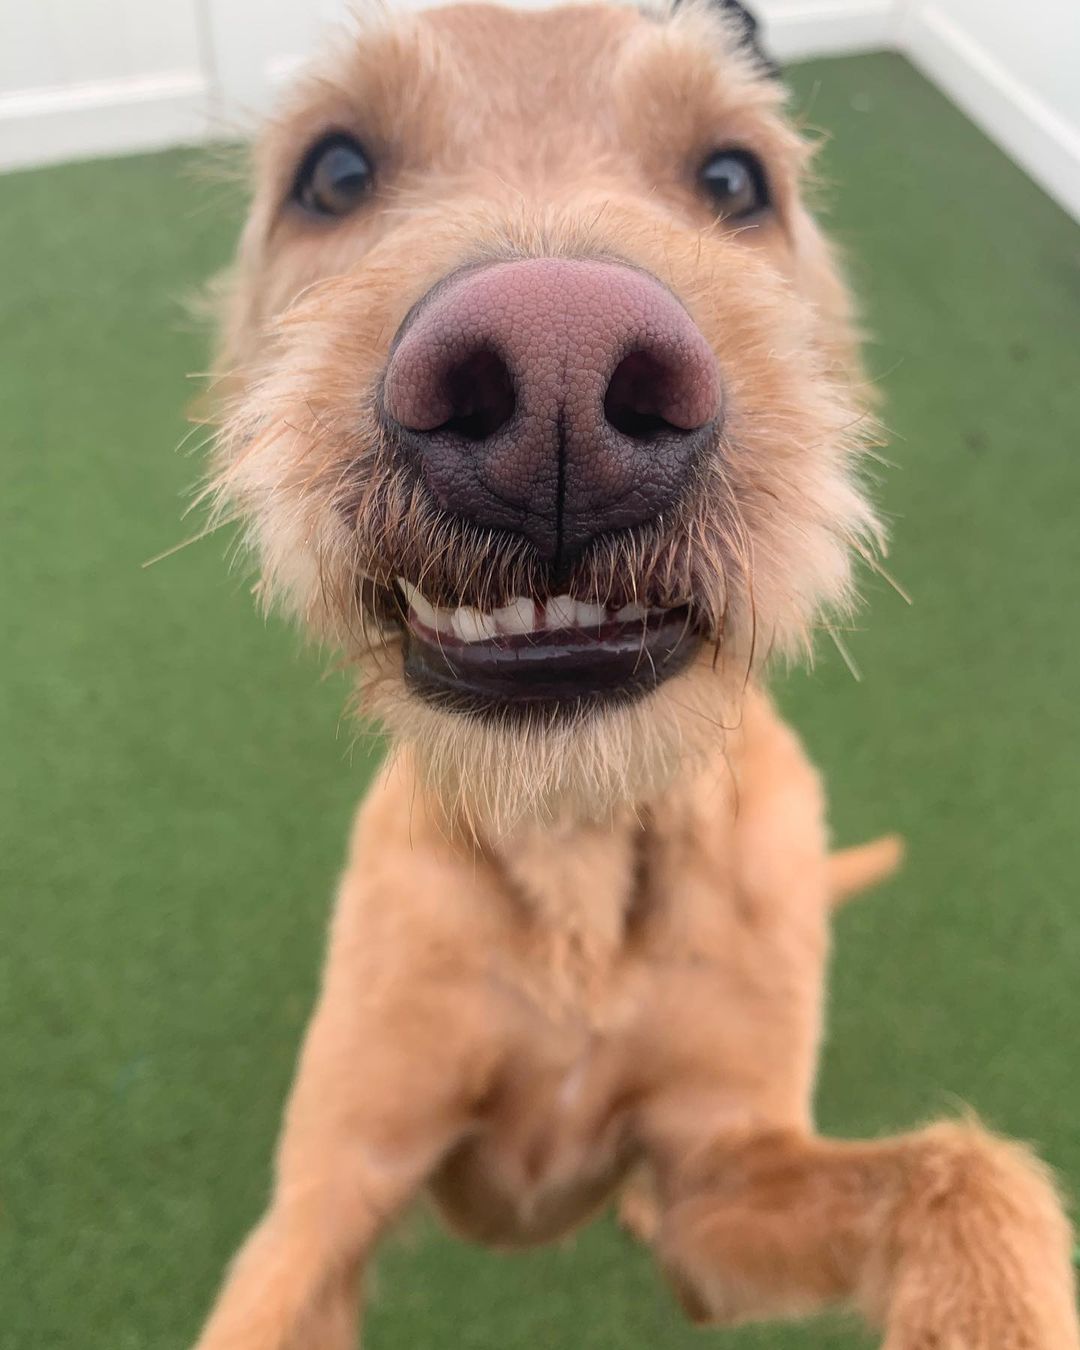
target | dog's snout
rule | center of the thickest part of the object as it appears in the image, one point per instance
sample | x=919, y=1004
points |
x=556, y=398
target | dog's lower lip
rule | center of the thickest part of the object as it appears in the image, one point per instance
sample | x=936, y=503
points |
x=561, y=668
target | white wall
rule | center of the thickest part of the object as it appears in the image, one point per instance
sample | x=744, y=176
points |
x=1014, y=68
x=85, y=77
x=799, y=28
x=90, y=77
x=257, y=44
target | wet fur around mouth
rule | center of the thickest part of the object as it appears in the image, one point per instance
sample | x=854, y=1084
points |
x=397, y=528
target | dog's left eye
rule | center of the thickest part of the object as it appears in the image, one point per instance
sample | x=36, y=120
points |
x=334, y=177
x=736, y=183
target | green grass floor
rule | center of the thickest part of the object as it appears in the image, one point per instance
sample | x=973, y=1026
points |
x=176, y=778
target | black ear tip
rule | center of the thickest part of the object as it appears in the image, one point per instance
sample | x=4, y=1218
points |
x=748, y=22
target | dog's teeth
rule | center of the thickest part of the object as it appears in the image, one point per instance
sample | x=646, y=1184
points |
x=560, y=612
x=425, y=612
x=470, y=625
x=522, y=615
x=519, y=616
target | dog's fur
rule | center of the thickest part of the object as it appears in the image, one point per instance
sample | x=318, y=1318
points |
x=568, y=949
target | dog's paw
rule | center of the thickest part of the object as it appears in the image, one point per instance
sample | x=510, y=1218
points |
x=983, y=1327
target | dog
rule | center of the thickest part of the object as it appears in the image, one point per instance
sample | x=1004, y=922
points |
x=540, y=399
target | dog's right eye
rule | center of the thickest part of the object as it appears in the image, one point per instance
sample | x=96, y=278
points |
x=334, y=178
x=735, y=181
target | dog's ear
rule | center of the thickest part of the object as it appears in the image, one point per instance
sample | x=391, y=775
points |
x=747, y=24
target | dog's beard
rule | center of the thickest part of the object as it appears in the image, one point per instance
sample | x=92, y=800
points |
x=492, y=775
x=756, y=583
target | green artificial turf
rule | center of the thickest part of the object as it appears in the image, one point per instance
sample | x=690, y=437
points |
x=176, y=780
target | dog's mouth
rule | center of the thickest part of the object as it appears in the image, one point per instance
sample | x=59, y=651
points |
x=548, y=653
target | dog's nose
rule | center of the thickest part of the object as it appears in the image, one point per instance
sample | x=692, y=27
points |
x=556, y=398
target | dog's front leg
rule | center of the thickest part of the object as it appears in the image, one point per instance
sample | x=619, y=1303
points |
x=949, y=1238
x=394, y=1062
x=364, y=1128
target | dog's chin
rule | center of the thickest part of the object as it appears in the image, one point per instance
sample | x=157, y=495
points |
x=547, y=673
x=507, y=765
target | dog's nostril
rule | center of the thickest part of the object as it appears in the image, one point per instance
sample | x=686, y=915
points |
x=557, y=399
x=480, y=394
x=641, y=396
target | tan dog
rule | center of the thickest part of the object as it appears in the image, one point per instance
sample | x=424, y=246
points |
x=543, y=406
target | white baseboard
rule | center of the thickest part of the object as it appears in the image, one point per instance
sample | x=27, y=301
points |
x=793, y=29
x=110, y=117
x=1008, y=110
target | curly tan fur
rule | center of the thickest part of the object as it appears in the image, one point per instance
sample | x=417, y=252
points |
x=569, y=950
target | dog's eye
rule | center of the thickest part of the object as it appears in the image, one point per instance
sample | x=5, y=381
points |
x=334, y=177
x=736, y=183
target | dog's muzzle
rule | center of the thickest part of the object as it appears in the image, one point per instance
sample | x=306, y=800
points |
x=558, y=400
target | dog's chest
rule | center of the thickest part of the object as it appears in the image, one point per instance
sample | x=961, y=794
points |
x=577, y=880
x=572, y=986
x=550, y=1146
x=553, y=1120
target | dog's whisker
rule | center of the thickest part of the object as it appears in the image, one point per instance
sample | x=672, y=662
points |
x=845, y=653
x=187, y=543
